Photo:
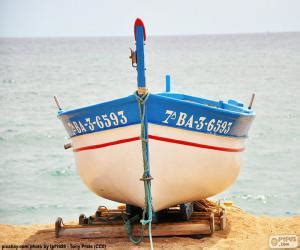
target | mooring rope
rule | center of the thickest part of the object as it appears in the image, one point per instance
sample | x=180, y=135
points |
x=147, y=212
x=128, y=227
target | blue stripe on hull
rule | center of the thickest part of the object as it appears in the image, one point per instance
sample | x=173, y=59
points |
x=194, y=116
x=173, y=110
x=100, y=117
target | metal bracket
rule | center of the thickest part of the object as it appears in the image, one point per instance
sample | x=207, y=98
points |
x=149, y=178
x=133, y=58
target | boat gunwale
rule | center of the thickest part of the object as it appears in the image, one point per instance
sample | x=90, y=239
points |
x=129, y=99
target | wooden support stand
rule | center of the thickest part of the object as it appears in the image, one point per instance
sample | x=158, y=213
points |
x=109, y=223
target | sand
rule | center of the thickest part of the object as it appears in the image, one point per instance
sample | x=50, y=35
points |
x=243, y=231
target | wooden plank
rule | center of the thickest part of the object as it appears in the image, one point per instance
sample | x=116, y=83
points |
x=92, y=232
x=162, y=229
x=184, y=228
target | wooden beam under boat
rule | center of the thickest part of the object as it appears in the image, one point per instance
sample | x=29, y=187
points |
x=200, y=223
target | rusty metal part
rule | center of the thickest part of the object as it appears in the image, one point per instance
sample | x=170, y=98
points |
x=142, y=91
x=104, y=216
x=67, y=145
x=251, y=101
x=133, y=58
x=57, y=103
x=58, y=226
x=149, y=178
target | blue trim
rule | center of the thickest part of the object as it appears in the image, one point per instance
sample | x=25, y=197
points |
x=232, y=105
x=168, y=83
x=199, y=115
x=103, y=116
x=139, y=31
x=166, y=109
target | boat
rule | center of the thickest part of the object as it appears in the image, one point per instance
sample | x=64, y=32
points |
x=189, y=148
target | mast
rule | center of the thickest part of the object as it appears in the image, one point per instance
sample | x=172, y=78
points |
x=140, y=37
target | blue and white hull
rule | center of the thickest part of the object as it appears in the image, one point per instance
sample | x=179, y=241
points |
x=195, y=147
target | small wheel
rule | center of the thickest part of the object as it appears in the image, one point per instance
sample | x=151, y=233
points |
x=82, y=219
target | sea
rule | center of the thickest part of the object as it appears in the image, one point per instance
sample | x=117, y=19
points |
x=38, y=178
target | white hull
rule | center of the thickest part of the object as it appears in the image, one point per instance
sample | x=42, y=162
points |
x=181, y=173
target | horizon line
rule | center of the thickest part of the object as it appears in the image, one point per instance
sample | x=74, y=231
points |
x=160, y=35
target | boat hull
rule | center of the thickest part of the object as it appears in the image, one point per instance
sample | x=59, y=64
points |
x=185, y=166
x=195, y=148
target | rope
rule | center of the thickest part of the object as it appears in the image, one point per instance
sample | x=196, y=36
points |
x=147, y=212
x=128, y=227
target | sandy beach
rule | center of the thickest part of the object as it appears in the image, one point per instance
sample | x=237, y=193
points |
x=243, y=231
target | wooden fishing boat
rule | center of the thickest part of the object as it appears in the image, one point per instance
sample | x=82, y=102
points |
x=191, y=148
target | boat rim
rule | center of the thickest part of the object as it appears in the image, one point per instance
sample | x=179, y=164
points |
x=227, y=109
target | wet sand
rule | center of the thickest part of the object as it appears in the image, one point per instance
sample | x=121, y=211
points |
x=243, y=231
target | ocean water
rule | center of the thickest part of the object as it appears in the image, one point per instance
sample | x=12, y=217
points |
x=38, y=179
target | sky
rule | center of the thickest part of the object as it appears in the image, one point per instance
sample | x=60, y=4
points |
x=75, y=18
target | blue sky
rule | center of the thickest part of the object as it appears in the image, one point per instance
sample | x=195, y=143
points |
x=64, y=18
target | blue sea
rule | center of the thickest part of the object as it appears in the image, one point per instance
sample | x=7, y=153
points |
x=38, y=178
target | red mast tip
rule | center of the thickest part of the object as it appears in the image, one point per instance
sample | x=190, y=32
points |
x=139, y=22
